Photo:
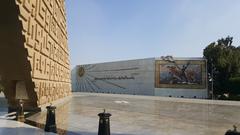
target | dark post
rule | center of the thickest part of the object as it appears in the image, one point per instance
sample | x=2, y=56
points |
x=212, y=79
x=50, y=121
x=21, y=95
x=20, y=112
x=233, y=132
x=104, y=123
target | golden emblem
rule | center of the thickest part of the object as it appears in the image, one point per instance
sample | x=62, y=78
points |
x=81, y=71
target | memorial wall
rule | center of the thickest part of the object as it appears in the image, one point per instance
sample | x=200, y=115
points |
x=123, y=77
x=181, y=77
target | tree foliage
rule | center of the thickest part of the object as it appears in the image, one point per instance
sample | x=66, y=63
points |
x=224, y=59
x=234, y=85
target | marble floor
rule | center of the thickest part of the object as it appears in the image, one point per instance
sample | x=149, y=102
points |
x=11, y=127
x=3, y=105
x=145, y=115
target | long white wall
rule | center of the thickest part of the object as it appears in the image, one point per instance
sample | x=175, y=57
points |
x=123, y=77
x=127, y=77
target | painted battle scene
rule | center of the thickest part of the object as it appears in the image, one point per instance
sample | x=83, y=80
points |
x=180, y=74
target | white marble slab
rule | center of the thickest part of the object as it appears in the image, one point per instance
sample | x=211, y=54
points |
x=10, y=127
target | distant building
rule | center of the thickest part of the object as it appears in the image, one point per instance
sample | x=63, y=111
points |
x=165, y=76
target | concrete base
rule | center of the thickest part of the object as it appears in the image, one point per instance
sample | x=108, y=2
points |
x=182, y=93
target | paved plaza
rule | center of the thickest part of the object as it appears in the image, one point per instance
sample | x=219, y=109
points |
x=145, y=115
x=11, y=127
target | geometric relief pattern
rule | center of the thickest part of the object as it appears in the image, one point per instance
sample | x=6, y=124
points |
x=44, y=29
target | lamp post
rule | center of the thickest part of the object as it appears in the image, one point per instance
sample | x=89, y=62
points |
x=212, y=81
x=20, y=113
x=21, y=95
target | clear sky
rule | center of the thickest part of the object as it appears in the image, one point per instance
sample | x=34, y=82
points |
x=112, y=30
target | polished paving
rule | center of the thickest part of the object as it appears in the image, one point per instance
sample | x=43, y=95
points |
x=3, y=105
x=145, y=115
x=10, y=127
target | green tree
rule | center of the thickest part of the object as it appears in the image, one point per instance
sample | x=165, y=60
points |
x=234, y=85
x=224, y=59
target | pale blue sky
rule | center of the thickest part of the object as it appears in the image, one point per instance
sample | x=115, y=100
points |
x=112, y=30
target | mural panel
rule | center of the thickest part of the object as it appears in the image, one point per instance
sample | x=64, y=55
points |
x=180, y=74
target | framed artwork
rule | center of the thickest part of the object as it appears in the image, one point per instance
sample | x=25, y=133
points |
x=180, y=74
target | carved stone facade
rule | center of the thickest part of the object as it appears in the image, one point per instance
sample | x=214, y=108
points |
x=44, y=29
x=34, y=49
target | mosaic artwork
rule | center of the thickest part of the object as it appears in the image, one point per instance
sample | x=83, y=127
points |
x=180, y=74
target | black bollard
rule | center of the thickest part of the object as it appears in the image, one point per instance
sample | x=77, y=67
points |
x=104, y=123
x=50, y=125
x=233, y=132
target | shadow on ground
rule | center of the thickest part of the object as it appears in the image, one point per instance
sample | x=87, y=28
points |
x=22, y=131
